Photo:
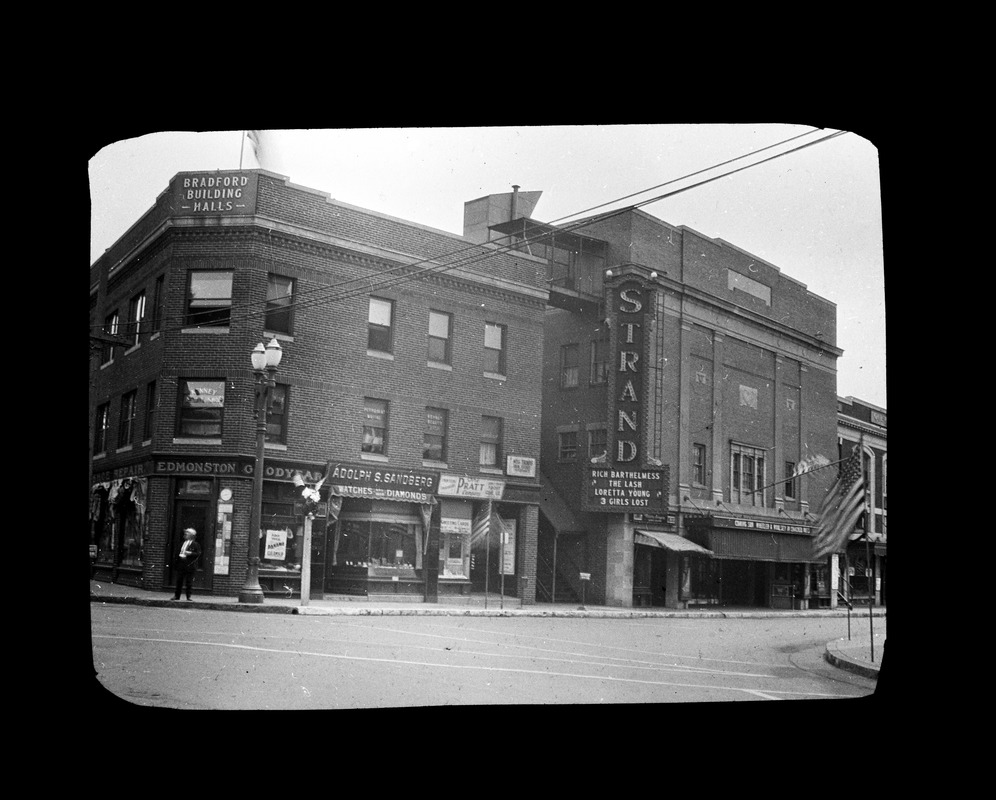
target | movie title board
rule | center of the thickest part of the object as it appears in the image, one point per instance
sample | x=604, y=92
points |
x=612, y=489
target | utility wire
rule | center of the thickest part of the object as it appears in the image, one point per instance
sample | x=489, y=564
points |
x=379, y=280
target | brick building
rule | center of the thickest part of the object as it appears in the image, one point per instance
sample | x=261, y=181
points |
x=861, y=569
x=683, y=380
x=410, y=381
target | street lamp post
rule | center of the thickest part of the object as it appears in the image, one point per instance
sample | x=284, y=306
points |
x=264, y=364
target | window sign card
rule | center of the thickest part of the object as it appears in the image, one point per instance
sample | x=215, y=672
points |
x=276, y=545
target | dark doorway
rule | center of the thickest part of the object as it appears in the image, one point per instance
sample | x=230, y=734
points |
x=193, y=514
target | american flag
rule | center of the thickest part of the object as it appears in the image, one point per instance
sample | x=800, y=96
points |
x=843, y=505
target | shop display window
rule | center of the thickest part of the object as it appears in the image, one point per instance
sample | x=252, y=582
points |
x=282, y=533
x=379, y=544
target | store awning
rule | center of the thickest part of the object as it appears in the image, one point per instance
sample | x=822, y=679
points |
x=556, y=510
x=669, y=541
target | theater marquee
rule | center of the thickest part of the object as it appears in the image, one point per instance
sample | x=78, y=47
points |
x=614, y=489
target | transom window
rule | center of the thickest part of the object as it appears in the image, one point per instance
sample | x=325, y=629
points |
x=380, y=325
x=440, y=326
x=209, y=298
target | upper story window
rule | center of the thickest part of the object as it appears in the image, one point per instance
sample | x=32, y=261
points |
x=100, y=427
x=746, y=475
x=598, y=442
x=374, y=426
x=434, y=442
x=136, y=316
x=276, y=414
x=151, y=401
x=699, y=464
x=567, y=446
x=490, y=441
x=789, y=479
x=570, y=366
x=126, y=422
x=599, y=361
x=494, y=348
x=111, y=324
x=209, y=298
x=279, y=304
x=380, y=325
x=202, y=408
x=440, y=327
x=158, y=297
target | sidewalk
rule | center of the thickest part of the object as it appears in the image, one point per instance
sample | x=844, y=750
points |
x=854, y=655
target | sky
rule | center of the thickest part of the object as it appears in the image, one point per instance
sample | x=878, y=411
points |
x=815, y=213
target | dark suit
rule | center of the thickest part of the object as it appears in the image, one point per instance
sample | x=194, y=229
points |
x=185, y=567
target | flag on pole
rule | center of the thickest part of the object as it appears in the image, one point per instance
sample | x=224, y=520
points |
x=261, y=145
x=809, y=464
x=843, y=505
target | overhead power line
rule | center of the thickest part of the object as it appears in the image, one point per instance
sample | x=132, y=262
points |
x=435, y=265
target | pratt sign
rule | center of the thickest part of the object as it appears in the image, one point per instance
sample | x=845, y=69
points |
x=612, y=489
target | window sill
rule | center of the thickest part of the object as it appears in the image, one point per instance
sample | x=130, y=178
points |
x=374, y=457
x=491, y=471
x=204, y=330
x=106, y=364
x=439, y=365
x=146, y=442
x=380, y=354
x=435, y=464
x=154, y=336
x=275, y=446
x=100, y=455
x=178, y=440
x=125, y=449
x=133, y=348
x=496, y=376
x=280, y=337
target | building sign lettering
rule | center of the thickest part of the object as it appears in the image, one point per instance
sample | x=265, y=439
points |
x=377, y=483
x=616, y=490
x=759, y=525
x=466, y=486
x=220, y=193
x=629, y=368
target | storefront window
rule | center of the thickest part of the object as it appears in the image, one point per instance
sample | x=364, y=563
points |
x=282, y=536
x=383, y=544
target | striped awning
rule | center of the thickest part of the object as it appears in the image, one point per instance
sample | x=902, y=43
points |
x=669, y=541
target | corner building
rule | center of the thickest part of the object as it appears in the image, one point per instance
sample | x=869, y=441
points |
x=683, y=381
x=410, y=385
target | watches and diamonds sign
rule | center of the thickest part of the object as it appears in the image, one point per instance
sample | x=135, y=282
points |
x=616, y=489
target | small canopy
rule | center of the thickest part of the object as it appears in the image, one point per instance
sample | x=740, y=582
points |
x=670, y=541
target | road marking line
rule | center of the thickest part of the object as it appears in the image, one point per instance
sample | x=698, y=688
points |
x=467, y=667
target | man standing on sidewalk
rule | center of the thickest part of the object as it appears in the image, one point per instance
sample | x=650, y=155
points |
x=186, y=562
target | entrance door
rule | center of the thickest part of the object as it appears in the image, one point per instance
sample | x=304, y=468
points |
x=194, y=514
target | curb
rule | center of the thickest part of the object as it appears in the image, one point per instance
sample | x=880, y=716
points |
x=450, y=611
x=835, y=657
